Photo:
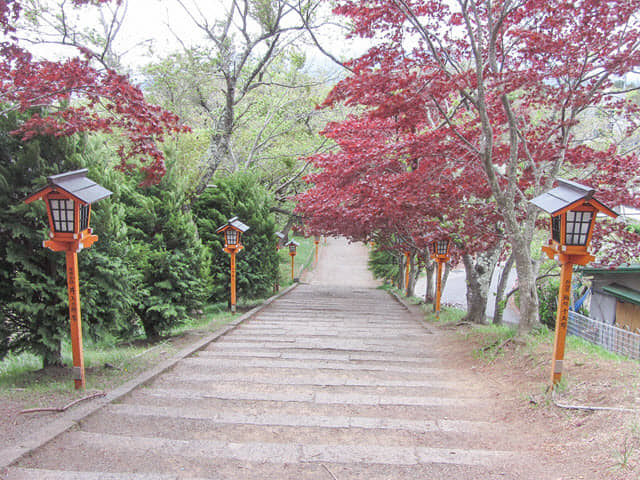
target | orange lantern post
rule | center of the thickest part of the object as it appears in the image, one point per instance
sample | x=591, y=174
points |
x=407, y=256
x=317, y=242
x=68, y=198
x=233, y=231
x=573, y=214
x=293, y=246
x=439, y=253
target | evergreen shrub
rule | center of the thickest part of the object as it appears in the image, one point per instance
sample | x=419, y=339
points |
x=239, y=195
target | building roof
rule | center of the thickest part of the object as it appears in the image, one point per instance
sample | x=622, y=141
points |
x=623, y=293
x=624, y=269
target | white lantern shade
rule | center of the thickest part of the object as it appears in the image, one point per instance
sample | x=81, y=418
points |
x=231, y=236
x=62, y=214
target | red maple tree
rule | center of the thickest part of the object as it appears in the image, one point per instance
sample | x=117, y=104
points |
x=385, y=186
x=75, y=97
x=498, y=89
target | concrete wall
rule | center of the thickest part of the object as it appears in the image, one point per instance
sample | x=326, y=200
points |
x=603, y=307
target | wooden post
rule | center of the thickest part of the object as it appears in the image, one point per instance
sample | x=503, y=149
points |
x=292, y=269
x=438, y=288
x=317, y=242
x=233, y=282
x=73, y=286
x=406, y=273
x=562, y=317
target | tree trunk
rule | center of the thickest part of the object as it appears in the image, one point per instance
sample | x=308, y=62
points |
x=500, y=291
x=479, y=271
x=429, y=269
x=53, y=357
x=414, y=271
x=528, y=294
x=400, y=261
x=219, y=150
x=445, y=275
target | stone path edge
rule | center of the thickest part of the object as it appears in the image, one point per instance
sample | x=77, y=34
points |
x=71, y=418
x=414, y=310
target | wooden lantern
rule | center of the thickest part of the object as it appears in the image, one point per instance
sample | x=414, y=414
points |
x=68, y=197
x=233, y=231
x=573, y=215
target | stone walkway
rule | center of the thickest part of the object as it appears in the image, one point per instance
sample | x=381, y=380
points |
x=335, y=380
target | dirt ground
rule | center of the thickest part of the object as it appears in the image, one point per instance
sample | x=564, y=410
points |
x=600, y=444
x=591, y=444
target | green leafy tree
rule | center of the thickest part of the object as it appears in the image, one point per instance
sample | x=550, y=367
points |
x=110, y=280
x=386, y=264
x=257, y=265
x=168, y=253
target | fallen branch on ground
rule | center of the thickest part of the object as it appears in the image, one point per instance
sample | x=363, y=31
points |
x=585, y=407
x=495, y=344
x=66, y=407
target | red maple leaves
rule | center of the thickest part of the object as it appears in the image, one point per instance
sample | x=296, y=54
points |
x=75, y=97
x=469, y=109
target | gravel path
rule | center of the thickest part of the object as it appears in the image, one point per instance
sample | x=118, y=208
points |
x=335, y=380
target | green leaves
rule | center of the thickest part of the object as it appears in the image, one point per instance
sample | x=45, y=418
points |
x=257, y=265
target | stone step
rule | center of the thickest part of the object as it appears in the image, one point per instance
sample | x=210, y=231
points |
x=165, y=398
x=272, y=373
x=188, y=468
x=309, y=354
x=206, y=419
x=317, y=379
x=318, y=333
x=333, y=346
x=41, y=474
x=288, y=394
x=104, y=446
x=297, y=390
x=214, y=363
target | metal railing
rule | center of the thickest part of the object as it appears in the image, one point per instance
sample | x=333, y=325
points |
x=610, y=337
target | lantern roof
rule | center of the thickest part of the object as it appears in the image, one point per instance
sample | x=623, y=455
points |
x=280, y=235
x=567, y=195
x=234, y=223
x=74, y=183
x=292, y=242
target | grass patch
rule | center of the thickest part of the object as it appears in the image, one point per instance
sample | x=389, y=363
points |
x=491, y=339
x=544, y=335
x=582, y=346
x=413, y=300
x=448, y=315
x=22, y=376
x=15, y=365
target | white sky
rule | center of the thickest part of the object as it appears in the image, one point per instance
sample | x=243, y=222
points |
x=149, y=19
